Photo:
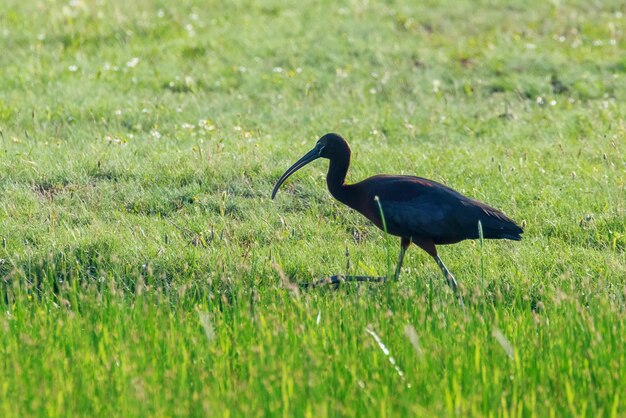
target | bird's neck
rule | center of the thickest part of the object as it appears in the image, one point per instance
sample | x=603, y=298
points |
x=336, y=178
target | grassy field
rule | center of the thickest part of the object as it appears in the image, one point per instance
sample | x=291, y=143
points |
x=144, y=270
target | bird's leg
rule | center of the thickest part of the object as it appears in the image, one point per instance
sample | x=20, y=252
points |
x=404, y=244
x=338, y=279
x=428, y=245
x=396, y=275
x=446, y=273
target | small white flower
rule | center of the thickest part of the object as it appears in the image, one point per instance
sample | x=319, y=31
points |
x=539, y=100
x=133, y=62
x=118, y=112
x=278, y=70
x=552, y=102
x=206, y=124
x=72, y=68
x=436, y=84
x=341, y=73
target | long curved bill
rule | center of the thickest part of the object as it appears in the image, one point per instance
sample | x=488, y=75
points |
x=312, y=155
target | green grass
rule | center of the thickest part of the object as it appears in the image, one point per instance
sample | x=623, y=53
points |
x=145, y=271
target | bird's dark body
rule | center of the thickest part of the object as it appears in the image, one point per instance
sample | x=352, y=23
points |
x=423, y=209
x=418, y=210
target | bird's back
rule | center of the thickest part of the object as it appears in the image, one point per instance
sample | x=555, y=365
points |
x=421, y=208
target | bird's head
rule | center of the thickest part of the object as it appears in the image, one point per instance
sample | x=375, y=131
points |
x=328, y=146
x=331, y=146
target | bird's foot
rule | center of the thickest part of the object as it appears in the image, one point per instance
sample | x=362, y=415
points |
x=337, y=279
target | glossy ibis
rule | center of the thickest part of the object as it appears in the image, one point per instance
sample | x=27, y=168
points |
x=417, y=210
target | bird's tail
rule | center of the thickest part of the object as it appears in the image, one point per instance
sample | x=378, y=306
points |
x=496, y=225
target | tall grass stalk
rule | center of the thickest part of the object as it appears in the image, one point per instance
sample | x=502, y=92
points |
x=482, y=257
x=387, y=239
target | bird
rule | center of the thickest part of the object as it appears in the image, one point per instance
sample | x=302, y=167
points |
x=419, y=211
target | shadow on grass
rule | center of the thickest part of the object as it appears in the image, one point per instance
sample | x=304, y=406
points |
x=96, y=268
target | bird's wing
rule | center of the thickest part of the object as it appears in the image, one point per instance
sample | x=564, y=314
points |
x=417, y=207
x=419, y=217
x=413, y=206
